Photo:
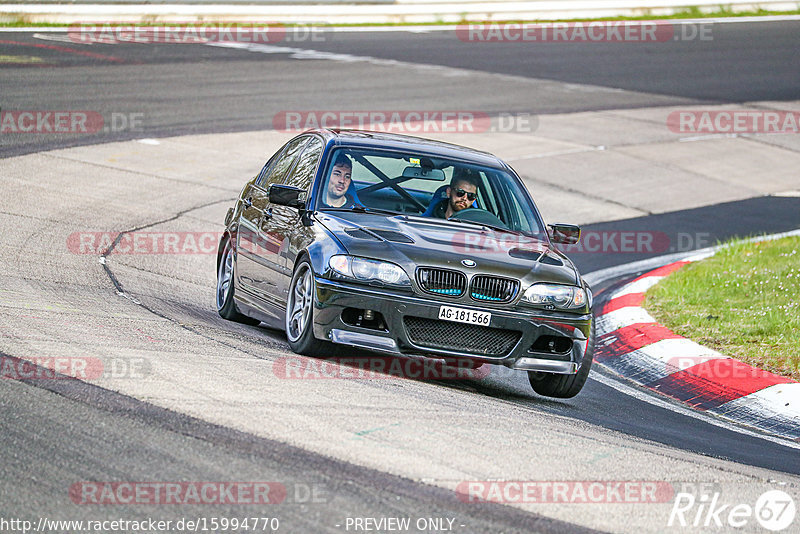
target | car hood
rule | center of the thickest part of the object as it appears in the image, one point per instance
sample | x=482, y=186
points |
x=412, y=241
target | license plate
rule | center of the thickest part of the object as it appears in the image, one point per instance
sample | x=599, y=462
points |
x=462, y=315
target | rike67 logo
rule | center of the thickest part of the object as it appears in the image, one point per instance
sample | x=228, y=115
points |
x=774, y=510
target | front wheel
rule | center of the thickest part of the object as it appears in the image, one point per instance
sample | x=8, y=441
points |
x=564, y=386
x=226, y=307
x=300, y=313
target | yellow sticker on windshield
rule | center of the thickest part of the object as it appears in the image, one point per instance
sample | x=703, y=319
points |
x=414, y=161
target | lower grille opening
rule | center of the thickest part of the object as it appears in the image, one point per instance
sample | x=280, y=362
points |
x=364, y=319
x=552, y=345
x=458, y=337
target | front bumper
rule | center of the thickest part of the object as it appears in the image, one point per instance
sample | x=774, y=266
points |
x=333, y=297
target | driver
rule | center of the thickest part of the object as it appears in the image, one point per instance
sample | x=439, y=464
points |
x=336, y=195
x=461, y=194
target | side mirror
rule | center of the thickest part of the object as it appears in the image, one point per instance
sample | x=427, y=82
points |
x=565, y=234
x=287, y=195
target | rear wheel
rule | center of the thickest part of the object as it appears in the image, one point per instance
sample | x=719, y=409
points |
x=226, y=307
x=564, y=386
x=300, y=313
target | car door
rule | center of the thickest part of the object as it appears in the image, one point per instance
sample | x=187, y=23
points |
x=259, y=265
x=286, y=226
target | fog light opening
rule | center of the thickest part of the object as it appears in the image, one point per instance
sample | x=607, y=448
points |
x=552, y=345
x=370, y=319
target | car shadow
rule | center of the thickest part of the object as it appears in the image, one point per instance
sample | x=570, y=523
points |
x=351, y=363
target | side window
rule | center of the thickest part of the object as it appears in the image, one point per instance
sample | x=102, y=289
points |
x=307, y=164
x=283, y=165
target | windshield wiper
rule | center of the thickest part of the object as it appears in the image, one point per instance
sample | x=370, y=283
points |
x=363, y=209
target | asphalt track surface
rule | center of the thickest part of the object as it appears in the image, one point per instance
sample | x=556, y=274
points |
x=195, y=88
x=57, y=433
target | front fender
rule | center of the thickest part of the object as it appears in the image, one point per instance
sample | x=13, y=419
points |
x=320, y=251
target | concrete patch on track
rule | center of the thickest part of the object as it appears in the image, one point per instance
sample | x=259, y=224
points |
x=56, y=302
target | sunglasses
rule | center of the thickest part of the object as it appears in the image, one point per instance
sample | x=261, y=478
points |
x=470, y=196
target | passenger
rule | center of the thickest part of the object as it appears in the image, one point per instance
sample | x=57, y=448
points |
x=461, y=194
x=336, y=195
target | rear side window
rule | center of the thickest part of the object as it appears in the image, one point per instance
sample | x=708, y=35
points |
x=276, y=174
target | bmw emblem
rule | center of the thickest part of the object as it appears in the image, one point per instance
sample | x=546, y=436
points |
x=468, y=263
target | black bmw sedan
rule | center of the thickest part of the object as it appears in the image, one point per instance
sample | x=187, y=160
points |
x=406, y=246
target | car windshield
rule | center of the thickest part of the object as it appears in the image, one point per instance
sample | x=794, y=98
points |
x=412, y=184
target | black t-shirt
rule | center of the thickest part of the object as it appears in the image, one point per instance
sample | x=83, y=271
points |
x=440, y=210
x=349, y=202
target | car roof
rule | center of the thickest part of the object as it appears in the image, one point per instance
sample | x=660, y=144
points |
x=407, y=143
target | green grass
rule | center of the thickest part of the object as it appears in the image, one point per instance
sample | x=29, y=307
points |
x=744, y=302
x=688, y=13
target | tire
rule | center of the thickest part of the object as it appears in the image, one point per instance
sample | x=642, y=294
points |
x=226, y=307
x=299, y=322
x=564, y=386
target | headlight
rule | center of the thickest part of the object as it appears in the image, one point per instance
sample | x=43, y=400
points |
x=555, y=296
x=364, y=270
